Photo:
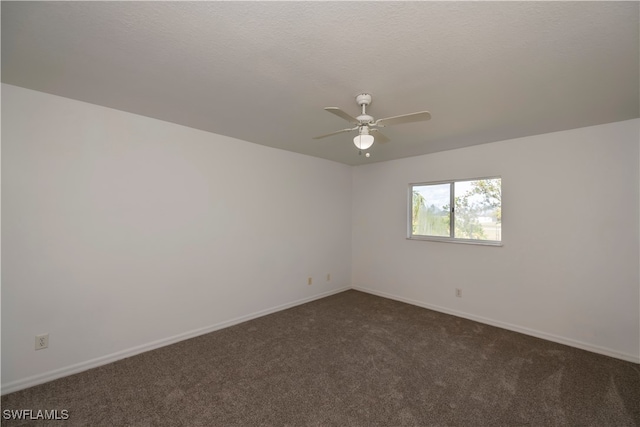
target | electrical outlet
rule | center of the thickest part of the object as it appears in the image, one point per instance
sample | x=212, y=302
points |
x=328, y=277
x=459, y=293
x=309, y=281
x=42, y=341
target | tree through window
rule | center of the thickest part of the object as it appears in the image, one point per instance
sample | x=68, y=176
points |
x=468, y=211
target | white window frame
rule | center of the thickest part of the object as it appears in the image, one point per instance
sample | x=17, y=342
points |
x=452, y=224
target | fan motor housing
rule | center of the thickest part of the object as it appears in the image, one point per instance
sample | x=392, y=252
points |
x=365, y=119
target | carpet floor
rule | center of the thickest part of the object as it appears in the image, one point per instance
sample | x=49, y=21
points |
x=351, y=359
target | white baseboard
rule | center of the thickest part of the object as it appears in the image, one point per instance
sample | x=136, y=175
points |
x=94, y=363
x=545, y=336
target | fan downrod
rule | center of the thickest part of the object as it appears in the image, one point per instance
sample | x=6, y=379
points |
x=363, y=100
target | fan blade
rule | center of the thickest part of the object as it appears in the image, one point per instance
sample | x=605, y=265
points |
x=405, y=118
x=334, y=133
x=338, y=112
x=379, y=136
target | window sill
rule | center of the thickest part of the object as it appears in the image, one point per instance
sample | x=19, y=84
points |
x=463, y=241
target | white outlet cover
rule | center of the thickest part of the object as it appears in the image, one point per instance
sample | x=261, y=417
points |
x=42, y=341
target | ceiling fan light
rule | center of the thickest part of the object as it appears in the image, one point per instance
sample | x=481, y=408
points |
x=363, y=142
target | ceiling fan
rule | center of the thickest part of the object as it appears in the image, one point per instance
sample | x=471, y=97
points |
x=367, y=126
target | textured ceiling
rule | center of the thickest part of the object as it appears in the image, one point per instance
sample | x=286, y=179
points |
x=263, y=71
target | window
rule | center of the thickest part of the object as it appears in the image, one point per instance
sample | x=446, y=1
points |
x=468, y=211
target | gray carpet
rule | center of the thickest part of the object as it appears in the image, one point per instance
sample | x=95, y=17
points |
x=351, y=359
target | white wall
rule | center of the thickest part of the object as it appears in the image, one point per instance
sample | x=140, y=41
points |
x=568, y=270
x=121, y=233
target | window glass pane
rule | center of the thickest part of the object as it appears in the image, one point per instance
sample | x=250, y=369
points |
x=430, y=210
x=478, y=210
